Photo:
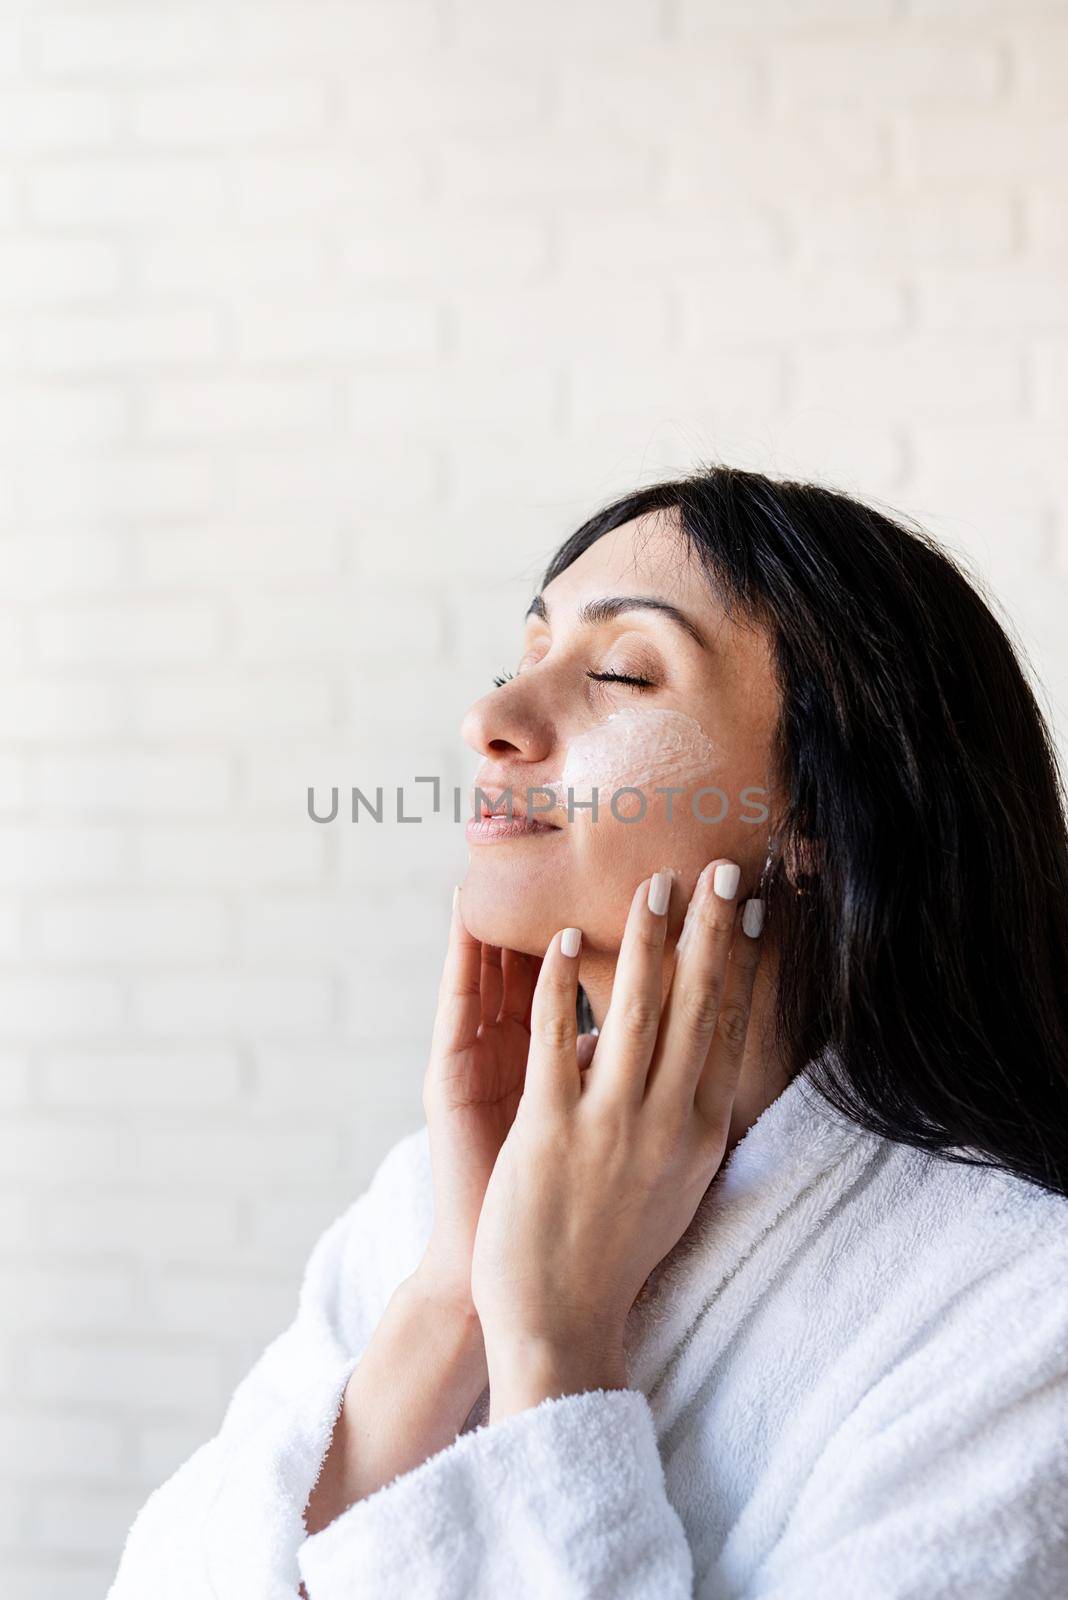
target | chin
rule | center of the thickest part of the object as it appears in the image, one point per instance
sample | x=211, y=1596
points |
x=515, y=909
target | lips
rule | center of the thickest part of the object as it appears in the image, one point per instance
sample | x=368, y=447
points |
x=493, y=804
x=496, y=821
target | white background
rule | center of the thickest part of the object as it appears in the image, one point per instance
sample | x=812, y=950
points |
x=326, y=321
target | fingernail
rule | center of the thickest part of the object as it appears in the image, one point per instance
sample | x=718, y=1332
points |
x=570, y=940
x=659, y=892
x=726, y=879
x=455, y=895
x=753, y=917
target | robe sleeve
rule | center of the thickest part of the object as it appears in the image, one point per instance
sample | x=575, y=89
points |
x=565, y=1498
x=228, y=1523
x=946, y=1474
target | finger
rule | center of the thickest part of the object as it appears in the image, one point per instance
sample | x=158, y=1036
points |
x=552, y=1076
x=535, y=967
x=626, y=1042
x=697, y=984
x=520, y=975
x=718, y=1083
x=491, y=982
x=459, y=1007
x=587, y=1044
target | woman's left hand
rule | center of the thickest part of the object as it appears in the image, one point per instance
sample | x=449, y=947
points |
x=602, y=1172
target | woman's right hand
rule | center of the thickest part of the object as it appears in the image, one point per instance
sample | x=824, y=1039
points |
x=430, y=1332
x=473, y=1084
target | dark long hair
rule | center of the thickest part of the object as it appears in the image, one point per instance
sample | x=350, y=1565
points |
x=923, y=972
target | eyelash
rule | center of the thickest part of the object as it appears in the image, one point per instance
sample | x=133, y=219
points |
x=598, y=677
x=620, y=677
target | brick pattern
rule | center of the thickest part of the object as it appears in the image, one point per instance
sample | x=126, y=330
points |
x=325, y=320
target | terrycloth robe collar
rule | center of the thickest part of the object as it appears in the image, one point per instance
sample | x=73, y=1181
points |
x=783, y=1177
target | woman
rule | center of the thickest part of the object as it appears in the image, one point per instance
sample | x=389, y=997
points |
x=757, y=1287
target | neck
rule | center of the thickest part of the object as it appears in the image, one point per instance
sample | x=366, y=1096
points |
x=763, y=1075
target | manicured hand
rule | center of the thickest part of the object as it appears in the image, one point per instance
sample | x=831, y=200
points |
x=473, y=1083
x=602, y=1172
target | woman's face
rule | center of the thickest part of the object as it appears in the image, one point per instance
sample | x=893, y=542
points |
x=699, y=722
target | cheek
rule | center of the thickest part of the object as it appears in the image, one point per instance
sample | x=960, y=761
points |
x=648, y=750
x=639, y=749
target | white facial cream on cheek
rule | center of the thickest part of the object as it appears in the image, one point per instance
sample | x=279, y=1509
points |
x=638, y=749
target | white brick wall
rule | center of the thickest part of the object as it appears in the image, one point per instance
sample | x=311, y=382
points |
x=323, y=321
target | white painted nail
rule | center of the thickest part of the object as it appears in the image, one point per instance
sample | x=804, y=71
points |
x=726, y=880
x=659, y=892
x=570, y=940
x=753, y=917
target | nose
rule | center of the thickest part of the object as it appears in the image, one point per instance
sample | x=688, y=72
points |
x=507, y=722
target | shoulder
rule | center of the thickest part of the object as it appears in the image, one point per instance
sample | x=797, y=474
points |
x=969, y=1257
x=402, y=1173
x=1008, y=1228
x=925, y=1204
x=378, y=1240
x=980, y=1213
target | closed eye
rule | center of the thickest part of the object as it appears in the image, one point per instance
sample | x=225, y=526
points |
x=620, y=677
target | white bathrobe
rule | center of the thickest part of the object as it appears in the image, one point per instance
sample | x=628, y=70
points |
x=849, y=1379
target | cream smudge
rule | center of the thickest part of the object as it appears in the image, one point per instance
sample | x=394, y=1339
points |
x=639, y=749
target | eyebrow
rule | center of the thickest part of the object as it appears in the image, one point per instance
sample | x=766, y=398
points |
x=603, y=610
